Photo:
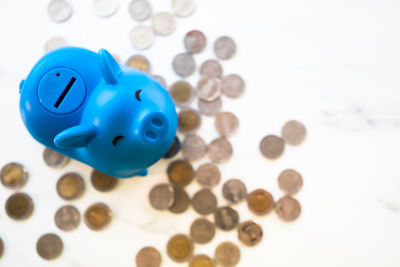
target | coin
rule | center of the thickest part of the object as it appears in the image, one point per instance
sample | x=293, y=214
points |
x=209, y=88
x=227, y=254
x=226, y=218
x=290, y=181
x=234, y=191
x=211, y=68
x=189, y=121
x=148, y=257
x=103, y=182
x=1, y=248
x=224, y=47
x=183, y=8
x=181, y=201
x=97, y=216
x=161, y=196
x=140, y=10
x=142, y=37
x=160, y=80
x=59, y=10
x=260, y=202
x=208, y=175
x=201, y=260
x=184, y=64
x=220, y=150
x=272, y=146
x=19, y=206
x=210, y=108
x=180, y=248
x=193, y=147
x=288, y=209
x=202, y=231
x=67, y=218
x=13, y=175
x=54, y=43
x=294, y=133
x=195, y=41
x=139, y=62
x=174, y=149
x=163, y=23
x=180, y=172
x=250, y=233
x=105, y=8
x=226, y=123
x=49, y=246
x=233, y=85
x=204, y=202
x=53, y=159
x=182, y=93
x=70, y=186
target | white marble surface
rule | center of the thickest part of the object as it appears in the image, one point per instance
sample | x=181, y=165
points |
x=333, y=65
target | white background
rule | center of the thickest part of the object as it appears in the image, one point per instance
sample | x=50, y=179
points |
x=333, y=65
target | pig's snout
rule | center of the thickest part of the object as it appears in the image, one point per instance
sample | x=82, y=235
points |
x=154, y=128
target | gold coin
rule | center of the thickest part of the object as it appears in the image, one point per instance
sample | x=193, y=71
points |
x=98, y=216
x=189, y=121
x=227, y=254
x=260, y=202
x=201, y=260
x=19, y=206
x=180, y=248
x=1, y=247
x=148, y=257
x=70, y=186
x=13, y=175
x=182, y=93
x=103, y=182
x=250, y=233
x=139, y=62
x=180, y=172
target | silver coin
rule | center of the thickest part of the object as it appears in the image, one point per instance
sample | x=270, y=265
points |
x=53, y=159
x=183, y=8
x=105, y=8
x=226, y=123
x=209, y=88
x=211, y=67
x=234, y=191
x=67, y=218
x=195, y=41
x=54, y=43
x=160, y=80
x=224, y=47
x=182, y=93
x=220, y=150
x=233, y=85
x=208, y=175
x=161, y=196
x=59, y=10
x=142, y=37
x=193, y=147
x=163, y=23
x=184, y=64
x=140, y=10
x=210, y=108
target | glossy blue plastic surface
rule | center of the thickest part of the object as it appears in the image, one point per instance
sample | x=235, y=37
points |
x=86, y=106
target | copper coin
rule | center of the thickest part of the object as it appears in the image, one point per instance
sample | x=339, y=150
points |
x=148, y=257
x=174, y=149
x=234, y=191
x=210, y=108
x=195, y=41
x=67, y=218
x=202, y=231
x=220, y=150
x=180, y=248
x=70, y=186
x=260, y=202
x=226, y=218
x=97, y=216
x=193, y=147
x=183, y=64
x=181, y=201
x=288, y=209
x=161, y=196
x=189, y=121
x=53, y=159
x=224, y=47
x=211, y=67
x=19, y=206
x=250, y=233
x=180, y=172
x=103, y=182
x=272, y=146
x=233, y=85
x=14, y=175
x=182, y=93
x=208, y=175
x=226, y=123
x=49, y=246
x=201, y=260
x=209, y=88
x=204, y=202
x=139, y=62
x=290, y=181
x=294, y=133
x=227, y=254
x=1, y=248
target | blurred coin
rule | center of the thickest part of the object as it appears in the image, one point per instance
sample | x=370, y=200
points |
x=226, y=123
x=181, y=201
x=189, y=121
x=19, y=206
x=139, y=62
x=105, y=8
x=233, y=85
x=148, y=257
x=97, y=216
x=226, y=218
x=161, y=196
x=163, y=23
x=1, y=248
x=288, y=209
x=290, y=181
x=250, y=233
x=180, y=172
x=54, y=43
x=208, y=175
x=227, y=254
x=182, y=93
x=103, y=182
x=224, y=47
x=209, y=88
x=70, y=186
x=193, y=147
x=202, y=231
x=49, y=246
x=160, y=80
x=67, y=218
x=14, y=175
x=260, y=202
x=180, y=248
x=59, y=10
x=272, y=146
x=211, y=68
x=220, y=150
x=195, y=41
x=140, y=10
x=53, y=159
x=234, y=191
x=142, y=37
x=204, y=202
x=294, y=133
x=201, y=260
x=184, y=64
x=183, y=8
x=210, y=108
x=174, y=149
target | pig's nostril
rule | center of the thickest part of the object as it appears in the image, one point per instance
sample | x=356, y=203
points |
x=157, y=122
x=151, y=135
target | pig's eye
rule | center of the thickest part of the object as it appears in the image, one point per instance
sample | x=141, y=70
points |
x=137, y=94
x=116, y=139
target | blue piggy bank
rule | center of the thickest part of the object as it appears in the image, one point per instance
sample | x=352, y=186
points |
x=85, y=105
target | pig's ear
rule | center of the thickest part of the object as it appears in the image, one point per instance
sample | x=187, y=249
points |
x=109, y=67
x=74, y=137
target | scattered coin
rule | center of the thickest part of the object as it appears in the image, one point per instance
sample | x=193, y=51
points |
x=195, y=41
x=226, y=218
x=59, y=10
x=272, y=146
x=49, y=246
x=290, y=181
x=67, y=218
x=250, y=233
x=224, y=47
x=294, y=133
x=208, y=175
x=70, y=186
x=53, y=159
x=226, y=123
x=211, y=68
x=161, y=80
x=202, y=231
x=209, y=88
x=180, y=248
x=13, y=175
x=1, y=248
x=98, y=216
x=19, y=206
x=139, y=62
x=260, y=202
x=227, y=254
x=148, y=257
x=288, y=209
x=210, y=108
x=54, y=43
x=193, y=147
x=142, y=37
x=183, y=8
x=201, y=260
x=181, y=201
x=174, y=149
x=182, y=93
x=233, y=85
x=189, y=121
x=184, y=64
x=204, y=202
x=140, y=10
x=163, y=23
x=220, y=150
x=103, y=182
x=105, y=8
x=180, y=172
x=161, y=196
x=234, y=191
